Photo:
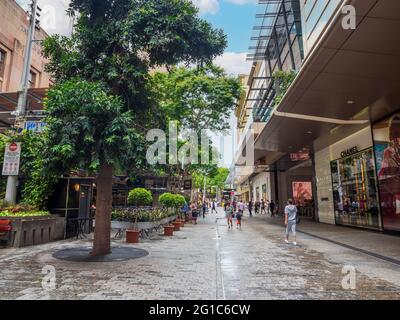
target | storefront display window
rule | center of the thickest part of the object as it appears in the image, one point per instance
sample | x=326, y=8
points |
x=387, y=151
x=302, y=192
x=355, y=191
x=264, y=192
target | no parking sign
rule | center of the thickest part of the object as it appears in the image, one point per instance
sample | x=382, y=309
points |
x=12, y=155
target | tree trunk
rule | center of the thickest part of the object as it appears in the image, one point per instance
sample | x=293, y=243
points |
x=102, y=231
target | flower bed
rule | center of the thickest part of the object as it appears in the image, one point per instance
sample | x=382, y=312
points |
x=147, y=218
x=10, y=214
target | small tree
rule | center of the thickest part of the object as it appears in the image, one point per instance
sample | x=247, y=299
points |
x=167, y=200
x=179, y=202
x=140, y=197
x=88, y=130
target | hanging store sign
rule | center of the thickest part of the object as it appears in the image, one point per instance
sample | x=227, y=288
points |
x=349, y=152
x=12, y=155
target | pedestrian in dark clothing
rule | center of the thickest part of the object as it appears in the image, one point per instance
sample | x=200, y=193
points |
x=263, y=207
x=204, y=210
x=272, y=208
x=213, y=208
x=257, y=207
x=250, y=207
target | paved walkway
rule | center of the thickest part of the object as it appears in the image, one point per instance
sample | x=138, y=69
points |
x=205, y=261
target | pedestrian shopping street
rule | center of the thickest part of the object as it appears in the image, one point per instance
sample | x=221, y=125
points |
x=208, y=261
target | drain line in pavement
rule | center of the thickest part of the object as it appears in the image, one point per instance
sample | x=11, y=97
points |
x=219, y=273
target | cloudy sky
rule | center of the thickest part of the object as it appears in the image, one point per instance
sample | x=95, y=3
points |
x=235, y=17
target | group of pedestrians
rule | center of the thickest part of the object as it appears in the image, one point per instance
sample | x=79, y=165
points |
x=291, y=215
x=263, y=207
x=231, y=213
x=199, y=208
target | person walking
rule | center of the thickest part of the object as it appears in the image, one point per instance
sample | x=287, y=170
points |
x=204, y=207
x=213, y=207
x=290, y=221
x=267, y=206
x=257, y=207
x=229, y=214
x=263, y=207
x=239, y=216
x=250, y=208
x=272, y=208
x=194, y=211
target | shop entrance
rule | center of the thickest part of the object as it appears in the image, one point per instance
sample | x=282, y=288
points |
x=355, y=191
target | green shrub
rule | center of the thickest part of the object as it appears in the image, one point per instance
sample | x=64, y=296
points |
x=7, y=213
x=140, y=197
x=179, y=200
x=167, y=200
x=139, y=215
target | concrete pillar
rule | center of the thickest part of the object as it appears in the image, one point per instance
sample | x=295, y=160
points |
x=11, y=191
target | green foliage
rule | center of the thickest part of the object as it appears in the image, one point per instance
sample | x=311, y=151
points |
x=140, y=215
x=140, y=197
x=283, y=80
x=198, y=98
x=179, y=200
x=39, y=178
x=11, y=214
x=118, y=42
x=167, y=200
x=170, y=200
x=215, y=178
x=87, y=127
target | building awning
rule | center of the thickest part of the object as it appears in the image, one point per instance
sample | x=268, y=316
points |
x=9, y=102
x=347, y=72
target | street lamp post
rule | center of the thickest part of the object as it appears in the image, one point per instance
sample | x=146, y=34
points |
x=12, y=181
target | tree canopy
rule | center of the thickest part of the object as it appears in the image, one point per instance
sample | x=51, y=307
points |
x=198, y=98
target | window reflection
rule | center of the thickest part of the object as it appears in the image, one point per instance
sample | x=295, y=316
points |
x=355, y=191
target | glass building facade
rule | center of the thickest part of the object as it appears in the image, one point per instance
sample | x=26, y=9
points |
x=355, y=191
x=316, y=15
x=386, y=135
x=277, y=45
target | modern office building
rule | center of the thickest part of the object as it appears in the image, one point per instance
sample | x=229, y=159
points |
x=276, y=46
x=334, y=139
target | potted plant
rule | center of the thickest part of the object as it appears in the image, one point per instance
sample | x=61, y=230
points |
x=138, y=197
x=179, y=202
x=168, y=201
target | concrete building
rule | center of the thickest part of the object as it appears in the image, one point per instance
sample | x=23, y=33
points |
x=276, y=46
x=13, y=33
x=333, y=141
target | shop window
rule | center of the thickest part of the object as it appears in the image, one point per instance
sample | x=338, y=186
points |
x=387, y=153
x=355, y=191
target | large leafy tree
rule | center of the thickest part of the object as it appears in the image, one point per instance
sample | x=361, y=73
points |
x=117, y=43
x=199, y=98
x=87, y=128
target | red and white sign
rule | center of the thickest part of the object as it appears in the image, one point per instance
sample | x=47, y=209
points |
x=12, y=155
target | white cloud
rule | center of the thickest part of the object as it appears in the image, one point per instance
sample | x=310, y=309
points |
x=207, y=6
x=53, y=17
x=234, y=63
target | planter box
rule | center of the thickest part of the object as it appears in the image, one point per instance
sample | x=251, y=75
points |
x=29, y=231
x=125, y=225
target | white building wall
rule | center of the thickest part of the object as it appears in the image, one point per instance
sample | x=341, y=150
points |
x=259, y=180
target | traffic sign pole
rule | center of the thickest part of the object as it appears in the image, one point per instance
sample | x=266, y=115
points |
x=12, y=181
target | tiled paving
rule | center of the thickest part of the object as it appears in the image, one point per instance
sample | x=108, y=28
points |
x=205, y=261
